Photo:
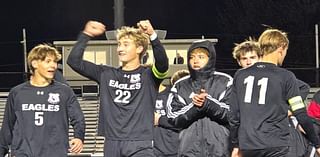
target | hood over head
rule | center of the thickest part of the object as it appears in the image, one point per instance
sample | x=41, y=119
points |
x=207, y=70
x=199, y=77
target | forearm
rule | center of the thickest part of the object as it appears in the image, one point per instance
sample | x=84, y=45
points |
x=164, y=122
x=76, y=118
x=161, y=60
x=75, y=57
x=3, y=148
x=79, y=130
x=76, y=62
x=307, y=125
x=187, y=118
x=234, y=123
x=217, y=111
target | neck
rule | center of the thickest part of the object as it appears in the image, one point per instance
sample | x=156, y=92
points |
x=270, y=58
x=130, y=65
x=39, y=82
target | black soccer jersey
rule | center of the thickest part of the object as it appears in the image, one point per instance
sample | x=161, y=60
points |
x=36, y=121
x=166, y=138
x=260, y=98
x=127, y=98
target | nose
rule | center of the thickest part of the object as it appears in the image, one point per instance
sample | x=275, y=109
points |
x=54, y=65
x=119, y=48
x=249, y=62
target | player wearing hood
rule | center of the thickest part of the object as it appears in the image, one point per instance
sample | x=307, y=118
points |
x=199, y=104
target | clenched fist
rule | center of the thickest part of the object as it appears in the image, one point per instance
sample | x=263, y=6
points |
x=94, y=28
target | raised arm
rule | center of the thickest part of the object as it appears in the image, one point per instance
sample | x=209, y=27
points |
x=75, y=58
x=161, y=65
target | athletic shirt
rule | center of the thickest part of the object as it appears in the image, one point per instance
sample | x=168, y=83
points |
x=260, y=96
x=36, y=121
x=166, y=140
x=126, y=108
x=127, y=98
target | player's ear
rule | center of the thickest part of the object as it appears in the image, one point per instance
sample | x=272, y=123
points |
x=238, y=61
x=283, y=50
x=34, y=64
x=139, y=49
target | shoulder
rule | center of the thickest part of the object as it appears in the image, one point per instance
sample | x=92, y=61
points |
x=16, y=89
x=182, y=82
x=19, y=87
x=63, y=87
x=289, y=75
x=223, y=76
x=316, y=97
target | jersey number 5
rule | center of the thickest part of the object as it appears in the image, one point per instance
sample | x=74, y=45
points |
x=249, y=82
x=38, y=118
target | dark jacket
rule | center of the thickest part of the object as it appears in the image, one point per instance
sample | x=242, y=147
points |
x=204, y=131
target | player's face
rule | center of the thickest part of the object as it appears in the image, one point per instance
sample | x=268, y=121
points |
x=198, y=60
x=128, y=51
x=248, y=59
x=45, y=68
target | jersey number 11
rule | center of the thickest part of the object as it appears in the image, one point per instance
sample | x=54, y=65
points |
x=249, y=82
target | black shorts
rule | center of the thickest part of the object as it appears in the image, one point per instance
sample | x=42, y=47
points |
x=114, y=148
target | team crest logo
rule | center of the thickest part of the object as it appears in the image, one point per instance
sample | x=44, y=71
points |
x=54, y=98
x=135, y=78
x=159, y=104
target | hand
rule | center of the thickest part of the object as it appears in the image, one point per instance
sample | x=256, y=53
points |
x=318, y=151
x=156, y=118
x=198, y=99
x=76, y=145
x=236, y=153
x=146, y=27
x=94, y=28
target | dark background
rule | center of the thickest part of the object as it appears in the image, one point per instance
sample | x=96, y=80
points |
x=230, y=21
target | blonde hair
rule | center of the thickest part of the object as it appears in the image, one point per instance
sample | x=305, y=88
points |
x=249, y=45
x=272, y=39
x=138, y=36
x=178, y=75
x=40, y=52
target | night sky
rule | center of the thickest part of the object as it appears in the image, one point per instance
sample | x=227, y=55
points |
x=231, y=21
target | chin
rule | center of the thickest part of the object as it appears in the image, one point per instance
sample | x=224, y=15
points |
x=49, y=77
x=122, y=60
